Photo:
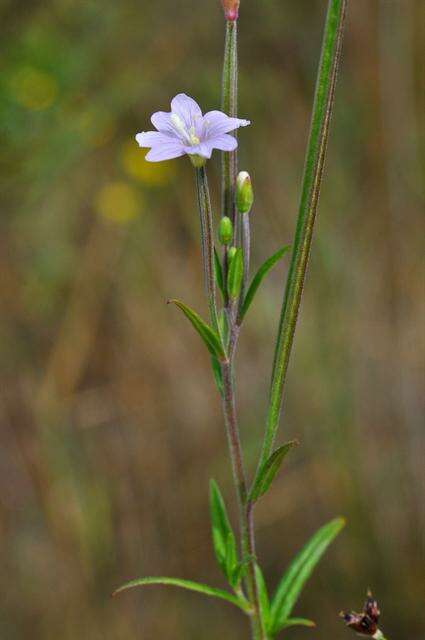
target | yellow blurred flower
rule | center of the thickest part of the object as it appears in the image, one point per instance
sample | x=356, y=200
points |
x=118, y=201
x=151, y=174
x=34, y=89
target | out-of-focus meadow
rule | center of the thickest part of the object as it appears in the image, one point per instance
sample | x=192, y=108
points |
x=110, y=423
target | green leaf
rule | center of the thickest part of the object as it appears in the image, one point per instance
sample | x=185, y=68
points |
x=298, y=622
x=218, y=272
x=235, y=274
x=222, y=534
x=267, y=474
x=231, y=559
x=217, y=374
x=298, y=572
x=209, y=337
x=258, y=278
x=223, y=326
x=263, y=597
x=310, y=192
x=187, y=584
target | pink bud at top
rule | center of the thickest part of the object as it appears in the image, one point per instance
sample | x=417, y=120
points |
x=231, y=9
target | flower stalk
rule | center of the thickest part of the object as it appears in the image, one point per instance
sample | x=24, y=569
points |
x=207, y=242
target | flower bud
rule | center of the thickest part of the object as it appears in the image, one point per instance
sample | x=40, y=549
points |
x=231, y=9
x=231, y=253
x=225, y=230
x=244, y=192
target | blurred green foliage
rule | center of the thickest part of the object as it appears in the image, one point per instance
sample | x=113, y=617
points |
x=110, y=419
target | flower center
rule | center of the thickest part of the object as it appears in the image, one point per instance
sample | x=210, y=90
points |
x=189, y=136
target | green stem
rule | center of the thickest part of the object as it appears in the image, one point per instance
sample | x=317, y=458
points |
x=229, y=104
x=313, y=170
x=229, y=173
x=207, y=241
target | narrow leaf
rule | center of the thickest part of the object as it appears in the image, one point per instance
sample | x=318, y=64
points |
x=258, y=278
x=235, y=274
x=217, y=374
x=186, y=584
x=298, y=622
x=222, y=533
x=218, y=272
x=263, y=597
x=223, y=327
x=267, y=474
x=231, y=558
x=209, y=337
x=298, y=572
x=310, y=191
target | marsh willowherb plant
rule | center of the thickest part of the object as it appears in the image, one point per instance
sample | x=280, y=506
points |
x=185, y=130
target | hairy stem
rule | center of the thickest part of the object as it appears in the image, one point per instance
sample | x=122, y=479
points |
x=207, y=241
x=313, y=171
x=246, y=523
x=229, y=104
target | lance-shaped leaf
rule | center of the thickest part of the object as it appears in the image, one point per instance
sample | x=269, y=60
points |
x=222, y=534
x=258, y=278
x=263, y=597
x=298, y=572
x=267, y=474
x=298, y=622
x=209, y=337
x=218, y=376
x=218, y=272
x=190, y=585
x=235, y=274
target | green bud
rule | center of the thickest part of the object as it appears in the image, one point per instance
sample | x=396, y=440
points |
x=244, y=192
x=231, y=253
x=225, y=230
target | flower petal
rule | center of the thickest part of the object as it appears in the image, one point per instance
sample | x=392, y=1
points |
x=151, y=138
x=165, y=151
x=162, y=121
x=187, y=109
x=216, y=123
x=204, y=150
x=224, y=142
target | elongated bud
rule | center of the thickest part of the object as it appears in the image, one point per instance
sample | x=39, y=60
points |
x=225, y=230
x=231, y=253
x=244, y=192
x=231, y=9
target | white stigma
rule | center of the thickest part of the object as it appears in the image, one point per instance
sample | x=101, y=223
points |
x=189, y=136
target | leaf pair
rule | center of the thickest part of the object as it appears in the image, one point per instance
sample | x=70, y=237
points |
x=224, y=541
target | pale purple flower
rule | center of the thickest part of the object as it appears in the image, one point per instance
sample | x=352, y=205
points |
x=186, y=131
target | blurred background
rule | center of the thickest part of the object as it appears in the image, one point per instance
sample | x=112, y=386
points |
x=110, y=423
